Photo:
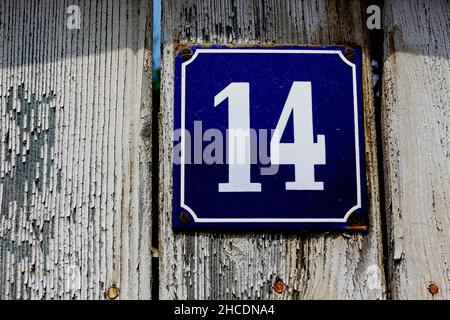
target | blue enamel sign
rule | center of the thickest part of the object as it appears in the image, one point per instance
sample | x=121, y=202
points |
x=268, y=138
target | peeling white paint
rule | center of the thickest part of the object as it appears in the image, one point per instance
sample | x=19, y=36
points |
x=75, y=194
x=416, y=143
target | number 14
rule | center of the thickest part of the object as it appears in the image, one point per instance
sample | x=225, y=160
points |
x=303, y=153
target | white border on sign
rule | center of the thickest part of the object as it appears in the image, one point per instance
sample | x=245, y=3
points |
x=263, y=220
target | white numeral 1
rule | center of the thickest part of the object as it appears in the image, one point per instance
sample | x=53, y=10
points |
x=303, y=153
x=238, y=94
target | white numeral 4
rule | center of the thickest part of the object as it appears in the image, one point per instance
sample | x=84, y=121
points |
x=303, y=153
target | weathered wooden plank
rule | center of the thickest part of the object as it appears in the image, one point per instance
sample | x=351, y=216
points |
x=75, y=123
x=238, y=266
x=416, y=139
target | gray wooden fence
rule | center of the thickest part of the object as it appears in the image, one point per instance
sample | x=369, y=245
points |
x=76, y=166
x=75, y=193
x=416, y=147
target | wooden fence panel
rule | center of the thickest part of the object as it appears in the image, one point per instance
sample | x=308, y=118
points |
x=75, y=155
x=416, y=140
x=75, y=197
x=246, y=265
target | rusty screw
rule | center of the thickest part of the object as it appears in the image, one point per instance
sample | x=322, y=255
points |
x=433, y=288
x=349, y=53
x=186, y=54
x=279, y=286
x=113, y=292
x=356, y=222
x=184, y=217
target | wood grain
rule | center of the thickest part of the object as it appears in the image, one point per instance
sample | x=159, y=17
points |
x=246, y=265
x=75, y=198
x=416, y=143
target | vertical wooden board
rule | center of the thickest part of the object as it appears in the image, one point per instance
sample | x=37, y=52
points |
x=416, y=141
x=246, y=265
x=75, y=123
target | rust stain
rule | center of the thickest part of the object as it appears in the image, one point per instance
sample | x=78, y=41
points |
x=433, y=288
x=184, y=218
x=356, y=222
x=349, y=53
x=357, y=228
x=279, y=286
x=186, y=54
x=113, y=292
x=179, y=46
